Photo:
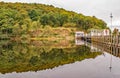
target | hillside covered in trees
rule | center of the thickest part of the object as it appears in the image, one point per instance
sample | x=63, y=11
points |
x=22, y=18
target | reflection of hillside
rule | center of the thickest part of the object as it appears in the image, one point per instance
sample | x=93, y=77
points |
x=52, y=44
x=5, y=44
x=26, y=57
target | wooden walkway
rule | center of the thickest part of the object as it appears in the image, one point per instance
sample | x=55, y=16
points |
x=109, y=44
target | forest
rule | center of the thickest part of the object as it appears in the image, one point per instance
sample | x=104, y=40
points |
x=21, y=19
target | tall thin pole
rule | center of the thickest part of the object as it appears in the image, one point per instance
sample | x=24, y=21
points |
x=111, y=16
x=111, y=43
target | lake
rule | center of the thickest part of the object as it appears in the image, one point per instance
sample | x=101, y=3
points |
x=57, y=59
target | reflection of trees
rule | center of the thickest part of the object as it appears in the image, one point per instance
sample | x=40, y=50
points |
x=23, y=57
x=52, y=43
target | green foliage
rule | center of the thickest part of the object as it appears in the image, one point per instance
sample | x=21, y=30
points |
x=69, y=25
x=34, y=15
x=44, y=19
x=115, y=32
x=24, y=17
x=33, y=60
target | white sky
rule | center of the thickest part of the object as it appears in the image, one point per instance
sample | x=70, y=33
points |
x=99, y=8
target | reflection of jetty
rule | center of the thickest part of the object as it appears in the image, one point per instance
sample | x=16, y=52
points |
x=109, y=43
x=82, y=36
x=103, y=39
x=105, y=43
x=79, y=42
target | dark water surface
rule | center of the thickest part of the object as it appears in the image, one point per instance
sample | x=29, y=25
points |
x=56, y=59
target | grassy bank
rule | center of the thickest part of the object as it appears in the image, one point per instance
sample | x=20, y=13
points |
x=49, y=33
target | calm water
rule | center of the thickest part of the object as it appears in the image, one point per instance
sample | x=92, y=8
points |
x=56, y=59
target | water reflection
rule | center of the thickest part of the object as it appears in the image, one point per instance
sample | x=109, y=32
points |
x=112, y=49
x=58, y=59
x=79, y=42
x=93, y=47
x=41, y=55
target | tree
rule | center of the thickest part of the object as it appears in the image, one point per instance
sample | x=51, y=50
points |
x=115, y=32
x=44, y=19
x=34, y=15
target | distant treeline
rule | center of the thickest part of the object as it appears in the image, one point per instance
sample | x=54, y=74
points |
x=23, y=17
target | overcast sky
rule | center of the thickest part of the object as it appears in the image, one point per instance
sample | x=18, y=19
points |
x=99, y=8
